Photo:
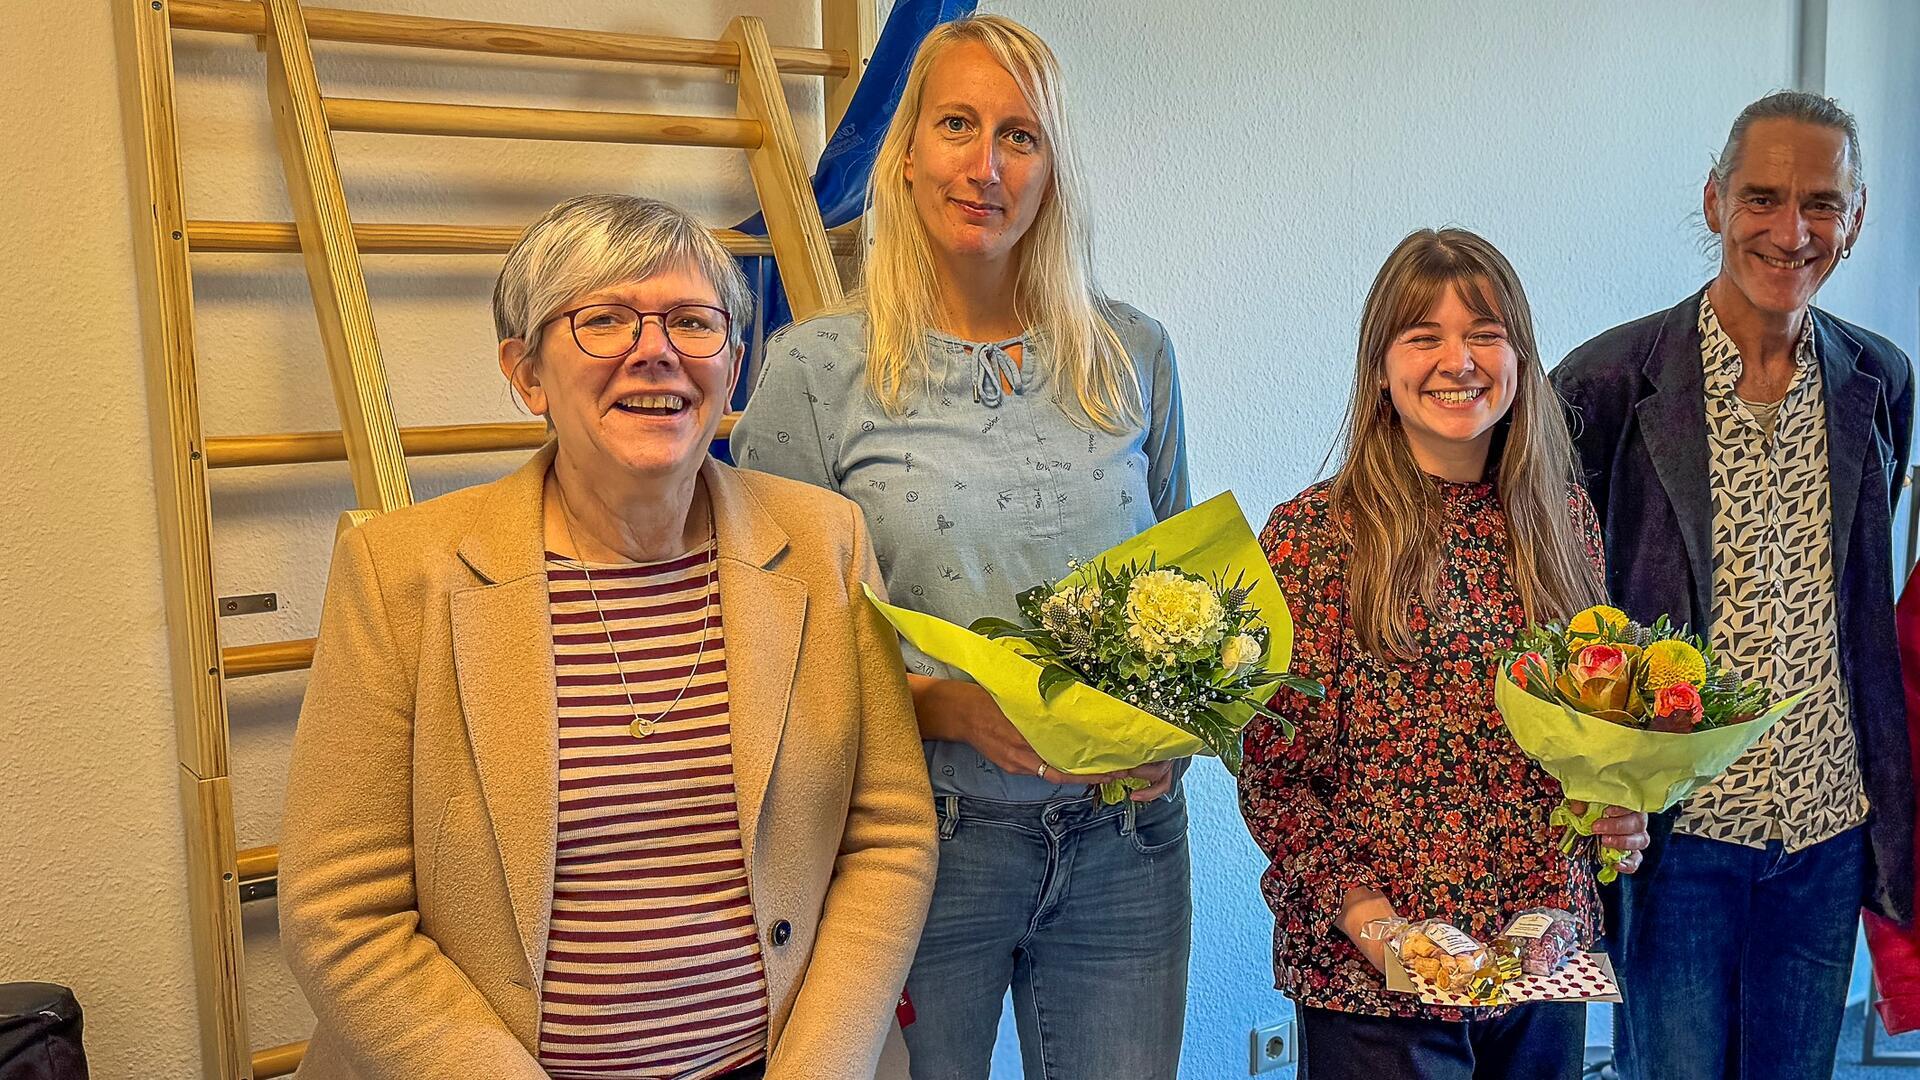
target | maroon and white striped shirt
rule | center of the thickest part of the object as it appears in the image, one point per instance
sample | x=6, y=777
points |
x=653, y=962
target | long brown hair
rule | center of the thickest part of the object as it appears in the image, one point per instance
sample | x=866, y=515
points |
x=1391, y=510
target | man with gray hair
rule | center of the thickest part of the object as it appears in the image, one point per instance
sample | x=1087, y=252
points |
x=1745, y=451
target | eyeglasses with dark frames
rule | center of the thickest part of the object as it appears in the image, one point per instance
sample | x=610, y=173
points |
x=610, y=331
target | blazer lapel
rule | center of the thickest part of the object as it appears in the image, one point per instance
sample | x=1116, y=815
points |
x=763, y=613
x=503, y=661
x=1852, y=398
x=1673, y=422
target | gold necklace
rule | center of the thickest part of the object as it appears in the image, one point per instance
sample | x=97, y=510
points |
x=643, y=726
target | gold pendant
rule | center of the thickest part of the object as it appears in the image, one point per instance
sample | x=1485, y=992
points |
x=642, y=726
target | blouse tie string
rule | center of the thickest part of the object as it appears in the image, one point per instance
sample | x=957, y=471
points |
x=993, y=363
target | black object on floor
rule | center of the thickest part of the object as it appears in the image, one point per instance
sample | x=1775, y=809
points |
x=40, y=1033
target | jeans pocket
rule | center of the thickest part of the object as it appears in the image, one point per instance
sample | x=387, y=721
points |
x=1159, y=825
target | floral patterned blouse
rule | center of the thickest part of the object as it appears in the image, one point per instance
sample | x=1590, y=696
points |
x=1403, y=779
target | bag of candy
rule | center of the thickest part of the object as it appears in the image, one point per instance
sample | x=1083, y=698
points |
x=1543, y=938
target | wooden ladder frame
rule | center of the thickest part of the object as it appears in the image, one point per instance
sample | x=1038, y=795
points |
x=369, y=440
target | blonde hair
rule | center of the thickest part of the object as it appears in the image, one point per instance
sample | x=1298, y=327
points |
x=1391, y=510
x=1057, y=298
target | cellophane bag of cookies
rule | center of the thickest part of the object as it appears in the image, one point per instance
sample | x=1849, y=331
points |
x=1436, y=950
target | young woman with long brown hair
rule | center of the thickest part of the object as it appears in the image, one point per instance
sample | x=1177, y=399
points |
x=1453, y=521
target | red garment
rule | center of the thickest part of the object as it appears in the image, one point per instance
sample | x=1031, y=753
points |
x=1896, y=949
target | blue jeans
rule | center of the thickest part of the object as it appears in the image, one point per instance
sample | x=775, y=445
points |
x=1736, y=959
x=1082, y=909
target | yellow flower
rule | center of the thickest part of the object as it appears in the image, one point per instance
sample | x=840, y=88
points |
x=1168, y=612
x=1593, y=621
x=1241, y=650
x=1670, y=663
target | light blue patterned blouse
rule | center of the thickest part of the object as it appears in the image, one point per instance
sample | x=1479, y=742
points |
x=975, y=494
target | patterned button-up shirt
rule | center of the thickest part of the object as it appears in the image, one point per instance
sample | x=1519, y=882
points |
x=1776, y=612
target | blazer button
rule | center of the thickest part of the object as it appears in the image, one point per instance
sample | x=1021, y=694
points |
x=781, y=933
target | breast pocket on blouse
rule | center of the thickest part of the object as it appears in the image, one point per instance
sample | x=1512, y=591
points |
x=1096, y=486
x=1017, y=472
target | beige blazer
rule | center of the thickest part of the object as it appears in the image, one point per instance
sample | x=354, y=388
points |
x=416, y=873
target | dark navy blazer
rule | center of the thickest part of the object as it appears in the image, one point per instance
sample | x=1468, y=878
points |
x=1637, y=405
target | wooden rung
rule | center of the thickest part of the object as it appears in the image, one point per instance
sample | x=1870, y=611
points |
x=278, y=1060
x=258, y=873
x=239, y=661
x=258, y=864
x=372, y=28
x=233, y=451
x=500, y=122
x=295, y=448
x=399, y=239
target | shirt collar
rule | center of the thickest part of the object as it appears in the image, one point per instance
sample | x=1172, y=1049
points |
x=1721, y=357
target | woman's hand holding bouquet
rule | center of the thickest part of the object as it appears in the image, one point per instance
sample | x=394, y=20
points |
x=1159, y=648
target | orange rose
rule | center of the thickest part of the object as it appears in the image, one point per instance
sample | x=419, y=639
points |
x=1677, y=708
x=1599, y=680
x=1522, y=665
x=1598, y=662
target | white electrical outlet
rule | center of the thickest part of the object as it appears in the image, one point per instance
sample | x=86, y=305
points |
x=1271, y=1047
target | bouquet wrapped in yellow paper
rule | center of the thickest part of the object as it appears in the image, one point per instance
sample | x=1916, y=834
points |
x=1162, y=647
x=1627, y=715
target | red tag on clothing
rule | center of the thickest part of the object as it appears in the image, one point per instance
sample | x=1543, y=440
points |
x=903, y=1012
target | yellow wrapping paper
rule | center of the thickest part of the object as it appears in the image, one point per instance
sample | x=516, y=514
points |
x=1080, y=729
x=1597, y=761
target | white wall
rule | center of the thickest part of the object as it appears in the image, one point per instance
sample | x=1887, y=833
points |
x=1873, y=68
x=1250, y=164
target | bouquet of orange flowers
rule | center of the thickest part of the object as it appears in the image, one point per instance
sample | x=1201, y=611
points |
x=1628, y=715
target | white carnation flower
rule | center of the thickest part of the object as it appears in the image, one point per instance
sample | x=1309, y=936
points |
x=1241, y=651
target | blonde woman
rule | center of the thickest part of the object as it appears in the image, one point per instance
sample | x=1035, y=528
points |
x=996, y=416
x=1454, y=520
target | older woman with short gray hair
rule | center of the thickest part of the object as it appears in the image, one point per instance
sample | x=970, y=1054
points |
x=607, y=769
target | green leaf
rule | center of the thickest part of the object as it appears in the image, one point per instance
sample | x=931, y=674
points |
x=1034, y=595
x=993, y=628
x=1053, y=677
x=1230, y=757
x=1225, y=741
x=1220, y=735
x=1259, y=709
x=1309, y=688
